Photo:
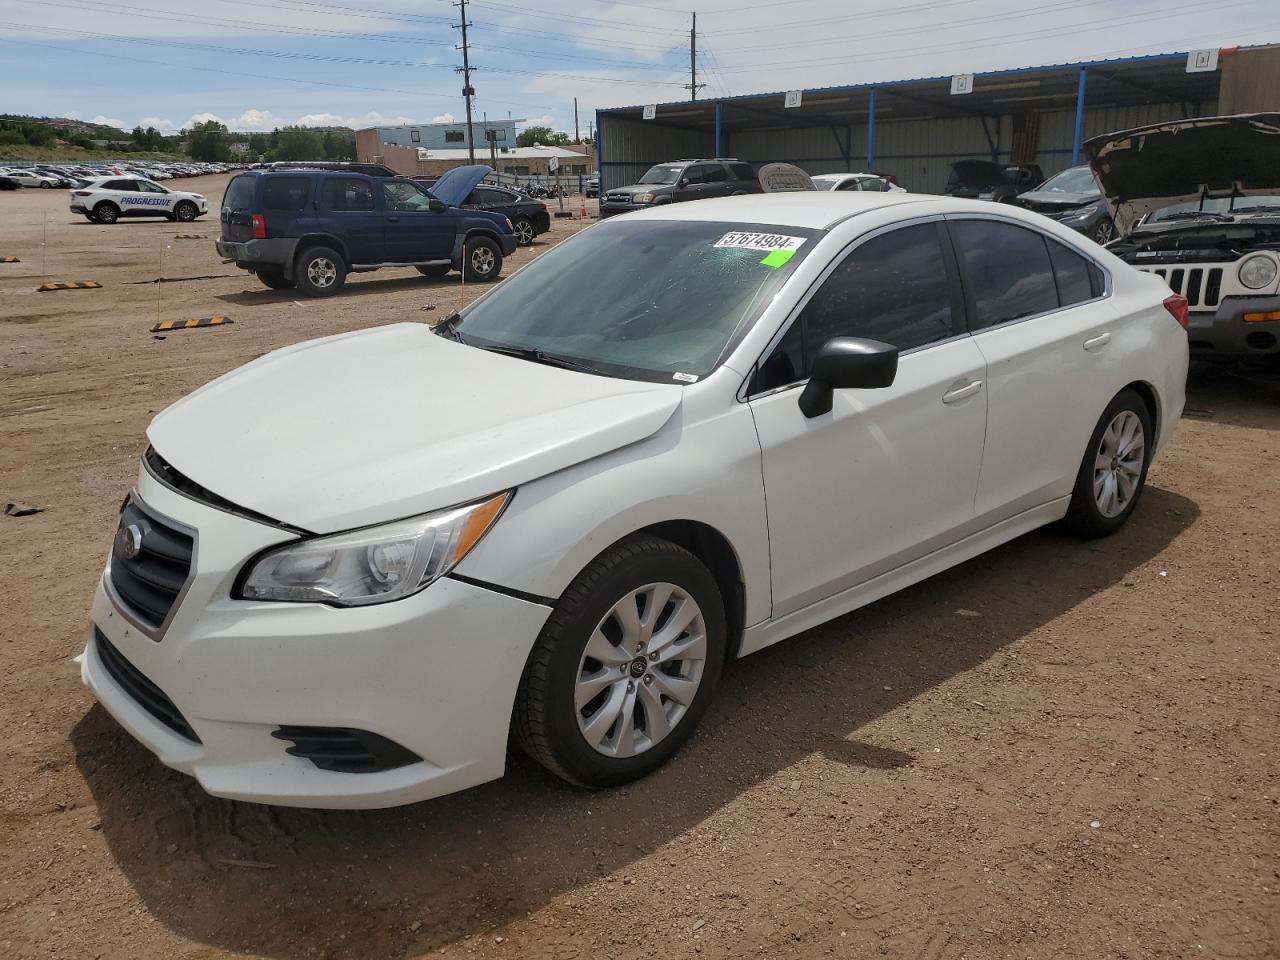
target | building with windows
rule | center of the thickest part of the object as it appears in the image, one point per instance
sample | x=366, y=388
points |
x=432, y=136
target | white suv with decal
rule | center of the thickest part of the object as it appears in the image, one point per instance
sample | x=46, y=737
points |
x=110, y=198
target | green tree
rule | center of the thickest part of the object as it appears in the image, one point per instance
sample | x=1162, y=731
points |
x=139, y=136
x=210, y=142
x=543, y=135
x=298, y=143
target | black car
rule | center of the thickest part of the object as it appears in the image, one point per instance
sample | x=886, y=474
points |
x=1073, y=199
x=529, y=217
x=987, y=180
x=681, y=180
x=308, y=227
x=8, y=183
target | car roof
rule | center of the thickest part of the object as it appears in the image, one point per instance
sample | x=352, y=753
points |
x=816, y=209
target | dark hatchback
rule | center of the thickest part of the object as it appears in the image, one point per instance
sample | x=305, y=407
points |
x=1073, y=199
x=529, y=217
x=986, y=180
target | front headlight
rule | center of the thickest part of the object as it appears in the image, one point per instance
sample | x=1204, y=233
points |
x=1257, y=272
x=1083, y=213
x=642, y=198
x=373, y=565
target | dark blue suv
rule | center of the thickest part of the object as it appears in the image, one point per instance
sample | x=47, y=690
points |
x=308, y=227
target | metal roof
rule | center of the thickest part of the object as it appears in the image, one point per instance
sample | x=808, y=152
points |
x=1120, y=82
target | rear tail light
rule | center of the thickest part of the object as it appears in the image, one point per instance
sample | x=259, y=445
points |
x=260, y=227
x=1179, y=309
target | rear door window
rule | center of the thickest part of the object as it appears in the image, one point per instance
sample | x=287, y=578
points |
x=1006, y=270
x=715, y=173
x=742, y=171
x=346, y=193
x=285, y=193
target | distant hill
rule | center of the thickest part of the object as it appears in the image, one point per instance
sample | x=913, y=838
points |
x=94, y=131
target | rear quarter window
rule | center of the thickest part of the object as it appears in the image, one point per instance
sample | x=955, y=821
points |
x=742, y=171
x=285, y=193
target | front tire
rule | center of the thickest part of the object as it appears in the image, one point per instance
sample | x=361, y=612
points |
x=482, y=262
x=185, y=211
x=1114, y=470
x=45, y=185
x=320, y=272
x=106, y=212
x=625, y=666
x=1104, y=232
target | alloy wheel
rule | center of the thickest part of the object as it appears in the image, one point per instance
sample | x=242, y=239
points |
x=322, y=272
x=524, y=232
x=640, y=670
x=1117, y=464
x=1104, y=232
x=482, y=261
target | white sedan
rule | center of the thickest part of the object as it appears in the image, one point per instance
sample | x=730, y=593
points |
x=351, y=568
x=107, y=199
x=868, y=182
x=29, y=178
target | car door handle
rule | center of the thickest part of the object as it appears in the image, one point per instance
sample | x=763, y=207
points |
x=1098, y=342
x=393, y=219
x=956, y=394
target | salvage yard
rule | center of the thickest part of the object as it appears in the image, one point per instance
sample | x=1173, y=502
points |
x=1058, y=750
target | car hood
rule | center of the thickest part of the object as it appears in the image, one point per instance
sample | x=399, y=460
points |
x=1150, y=167
x=1056, y=198
x=456, y=185
x=373, y=426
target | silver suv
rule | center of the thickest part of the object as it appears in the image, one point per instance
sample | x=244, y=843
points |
x=680, y=180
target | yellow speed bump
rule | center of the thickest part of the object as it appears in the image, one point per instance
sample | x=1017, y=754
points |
x=9, y=260
x=166, y=325
x=70, y=285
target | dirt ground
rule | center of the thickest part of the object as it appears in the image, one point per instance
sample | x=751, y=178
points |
x=1059, y=750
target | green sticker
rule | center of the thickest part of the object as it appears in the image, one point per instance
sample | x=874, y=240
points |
x=777, y=258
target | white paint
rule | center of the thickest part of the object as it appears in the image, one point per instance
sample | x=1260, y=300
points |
x=792, y=98
x=1202, y=61
x=961, y=83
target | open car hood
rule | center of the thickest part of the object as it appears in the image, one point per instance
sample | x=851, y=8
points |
x=1147, y=168
x=456, y=185
x=367, y=427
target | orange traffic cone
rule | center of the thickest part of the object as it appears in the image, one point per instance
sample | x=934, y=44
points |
x=582, y=211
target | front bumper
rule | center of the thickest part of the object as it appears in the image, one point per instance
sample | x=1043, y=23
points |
x=435, y=673
x=1225, y=333
x=611, y=208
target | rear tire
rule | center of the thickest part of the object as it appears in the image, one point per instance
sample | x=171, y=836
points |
x=320, y=272
x=1114, y=470
x=524, y=231
x=602, y=703
x=436, y=270
x=106, y=212
x=185, y=211
x=482, y=260
x=275, y=279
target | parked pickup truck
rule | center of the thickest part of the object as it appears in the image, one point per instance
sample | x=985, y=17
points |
x=310, y=227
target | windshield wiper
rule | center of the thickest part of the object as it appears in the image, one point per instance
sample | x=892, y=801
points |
x=549, y=359
x=1268, y=208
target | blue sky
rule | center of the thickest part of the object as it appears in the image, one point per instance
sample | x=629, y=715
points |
x=255, y=64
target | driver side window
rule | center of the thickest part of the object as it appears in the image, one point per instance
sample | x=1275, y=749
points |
x=694, y=174
x=896, y=288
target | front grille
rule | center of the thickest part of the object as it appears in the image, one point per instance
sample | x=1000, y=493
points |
x=1191, y=283
x=149, y=581
x=145, y=693
x=344, y=750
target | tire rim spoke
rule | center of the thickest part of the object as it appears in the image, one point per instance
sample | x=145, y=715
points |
x=640, y=670
x=1118, y=463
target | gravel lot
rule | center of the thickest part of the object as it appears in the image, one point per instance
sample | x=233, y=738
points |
x=1058, y=750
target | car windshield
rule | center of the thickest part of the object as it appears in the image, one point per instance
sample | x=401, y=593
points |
x=649, y=300
x=1075, y=180
x=1217, y=208
x=661, y=174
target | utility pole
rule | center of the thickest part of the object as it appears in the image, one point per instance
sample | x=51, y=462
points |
x=493, y=149
x=576, y=138
x=468, y=91
x=693, y=86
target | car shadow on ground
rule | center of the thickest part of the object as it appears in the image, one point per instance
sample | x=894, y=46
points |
x=1234, y=394
x=255, y=293
x=400, y=882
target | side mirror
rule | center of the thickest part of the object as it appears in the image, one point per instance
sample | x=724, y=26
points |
x=846, y=363
x=437, y=206
x=684, y=181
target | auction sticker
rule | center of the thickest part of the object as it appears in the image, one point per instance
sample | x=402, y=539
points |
x=764, y=242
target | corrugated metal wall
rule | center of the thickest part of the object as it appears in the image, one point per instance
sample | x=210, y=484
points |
x=1251, y=81
x=918, y=152
x=629, y=147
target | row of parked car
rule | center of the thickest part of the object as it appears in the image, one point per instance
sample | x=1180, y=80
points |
x=51, y=175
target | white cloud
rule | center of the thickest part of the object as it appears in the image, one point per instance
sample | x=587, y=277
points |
x=70, y=115
x=202, y=118
x=108, y=121
x=544, y=121
x=157, y=122
x=445, y=118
